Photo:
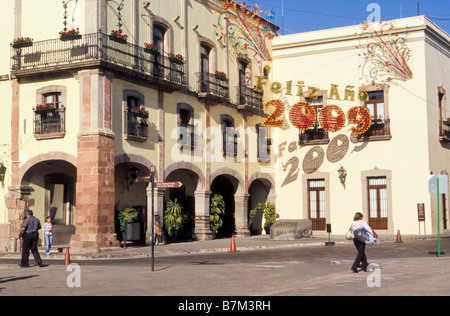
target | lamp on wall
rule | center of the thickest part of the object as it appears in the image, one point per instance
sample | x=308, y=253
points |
x=132, y=175
x=2, y=173
x=342, y=175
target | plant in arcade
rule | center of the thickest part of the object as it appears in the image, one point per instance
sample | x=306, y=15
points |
x=174, y=218
x=217, y=210
x=129, y=214
x=269, y=212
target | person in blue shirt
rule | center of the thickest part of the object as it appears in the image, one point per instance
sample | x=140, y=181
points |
x=29, y=234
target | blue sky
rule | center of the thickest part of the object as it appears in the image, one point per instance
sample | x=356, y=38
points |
x=303, y=16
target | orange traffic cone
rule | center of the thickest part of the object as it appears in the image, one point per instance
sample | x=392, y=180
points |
x=233, y=245
x=67, y=259
x=399, y=238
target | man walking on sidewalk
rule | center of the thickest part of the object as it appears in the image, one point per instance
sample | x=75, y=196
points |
x=29, y=234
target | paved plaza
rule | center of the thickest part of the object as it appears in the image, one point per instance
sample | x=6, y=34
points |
x=259, y=268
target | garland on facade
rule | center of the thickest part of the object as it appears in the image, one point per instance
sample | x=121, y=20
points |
x=244, y=29
x=387, y=53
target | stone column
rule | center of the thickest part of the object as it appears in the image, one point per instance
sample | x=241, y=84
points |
x=241, y=214
x=202, y=205
x=95, y=189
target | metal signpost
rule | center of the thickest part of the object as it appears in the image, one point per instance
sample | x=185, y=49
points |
x=438, y=184
x=165, y=185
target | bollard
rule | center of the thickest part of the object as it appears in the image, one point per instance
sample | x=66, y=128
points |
x=13, y=246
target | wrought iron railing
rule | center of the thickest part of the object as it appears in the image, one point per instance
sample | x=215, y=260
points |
x=213, y=84
x=250, y=97
x=444, y=130
x=314, y=134
x=379, y=128
x=137, y=124
x=187, y=136
x=95, y=47
x=49, y=121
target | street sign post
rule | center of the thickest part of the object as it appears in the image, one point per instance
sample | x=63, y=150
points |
x=168, y=185
x=438, y=184
x=160, y=185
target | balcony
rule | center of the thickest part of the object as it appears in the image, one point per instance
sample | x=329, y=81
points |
x=187, y=137
x=136, y=126
x=314, y=136
x=249, y=99
x=379, y=130
x=49, y=123
x=94, y=50
x=444, y=130
x=213, y=87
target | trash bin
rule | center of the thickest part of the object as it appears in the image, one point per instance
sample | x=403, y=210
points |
x=129, y=230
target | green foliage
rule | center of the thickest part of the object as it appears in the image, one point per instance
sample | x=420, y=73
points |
x=217, y=210
x=129, y=214
x=174, y=218
x=268, y=209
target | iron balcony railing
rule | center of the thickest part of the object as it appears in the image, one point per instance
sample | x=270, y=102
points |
x=137, y=124
x=93, y=48
x=49, y=121
x=314, y=134
x=250, y=97
x=379, y=127
x=213, y=84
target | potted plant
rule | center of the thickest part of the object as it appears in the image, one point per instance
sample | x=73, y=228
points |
x=151, y=48
x=221, y=75
x=140, y=111
x=179, y=59
x=22, y=42
x=118, y=37
x=269, y=212
x=217, y=210
x=127, y=217
x=174, y=218
x=44, y=108
x=70, y=35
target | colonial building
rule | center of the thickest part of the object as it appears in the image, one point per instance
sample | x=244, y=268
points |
x=105, y=90
x=375, y=127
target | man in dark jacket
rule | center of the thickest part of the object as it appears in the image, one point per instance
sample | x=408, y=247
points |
x=30, y=235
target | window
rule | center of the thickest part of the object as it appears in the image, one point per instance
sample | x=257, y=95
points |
x=377, y=106
x=205, y=80
x=186, y=134
x=136, y=119
x=444, y=120
x=158, y=37
x=378, y=203
x=264, y=143
x=242, y=82
x=316, y=134
x=317, y=203
x=49, y=121
x=230, y=137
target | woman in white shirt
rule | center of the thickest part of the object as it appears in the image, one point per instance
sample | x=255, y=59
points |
x=48, y=234
x=357, y=225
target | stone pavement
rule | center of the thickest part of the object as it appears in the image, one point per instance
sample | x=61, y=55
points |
x=210, y=246
x=196, y=275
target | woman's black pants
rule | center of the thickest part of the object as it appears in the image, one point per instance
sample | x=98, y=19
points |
x=361, y=256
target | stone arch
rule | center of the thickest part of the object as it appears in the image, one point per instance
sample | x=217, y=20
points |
x=124, y=158
x=264, y=178
x=24, y=176
x=189, y=166
x=238, y=183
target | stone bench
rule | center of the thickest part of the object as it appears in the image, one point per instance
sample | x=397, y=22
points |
x=291, y=229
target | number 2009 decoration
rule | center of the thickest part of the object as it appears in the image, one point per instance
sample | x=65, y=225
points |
x=303, y=116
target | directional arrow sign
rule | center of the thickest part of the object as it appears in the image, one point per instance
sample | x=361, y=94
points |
x=168, y=185
x=144, y=179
